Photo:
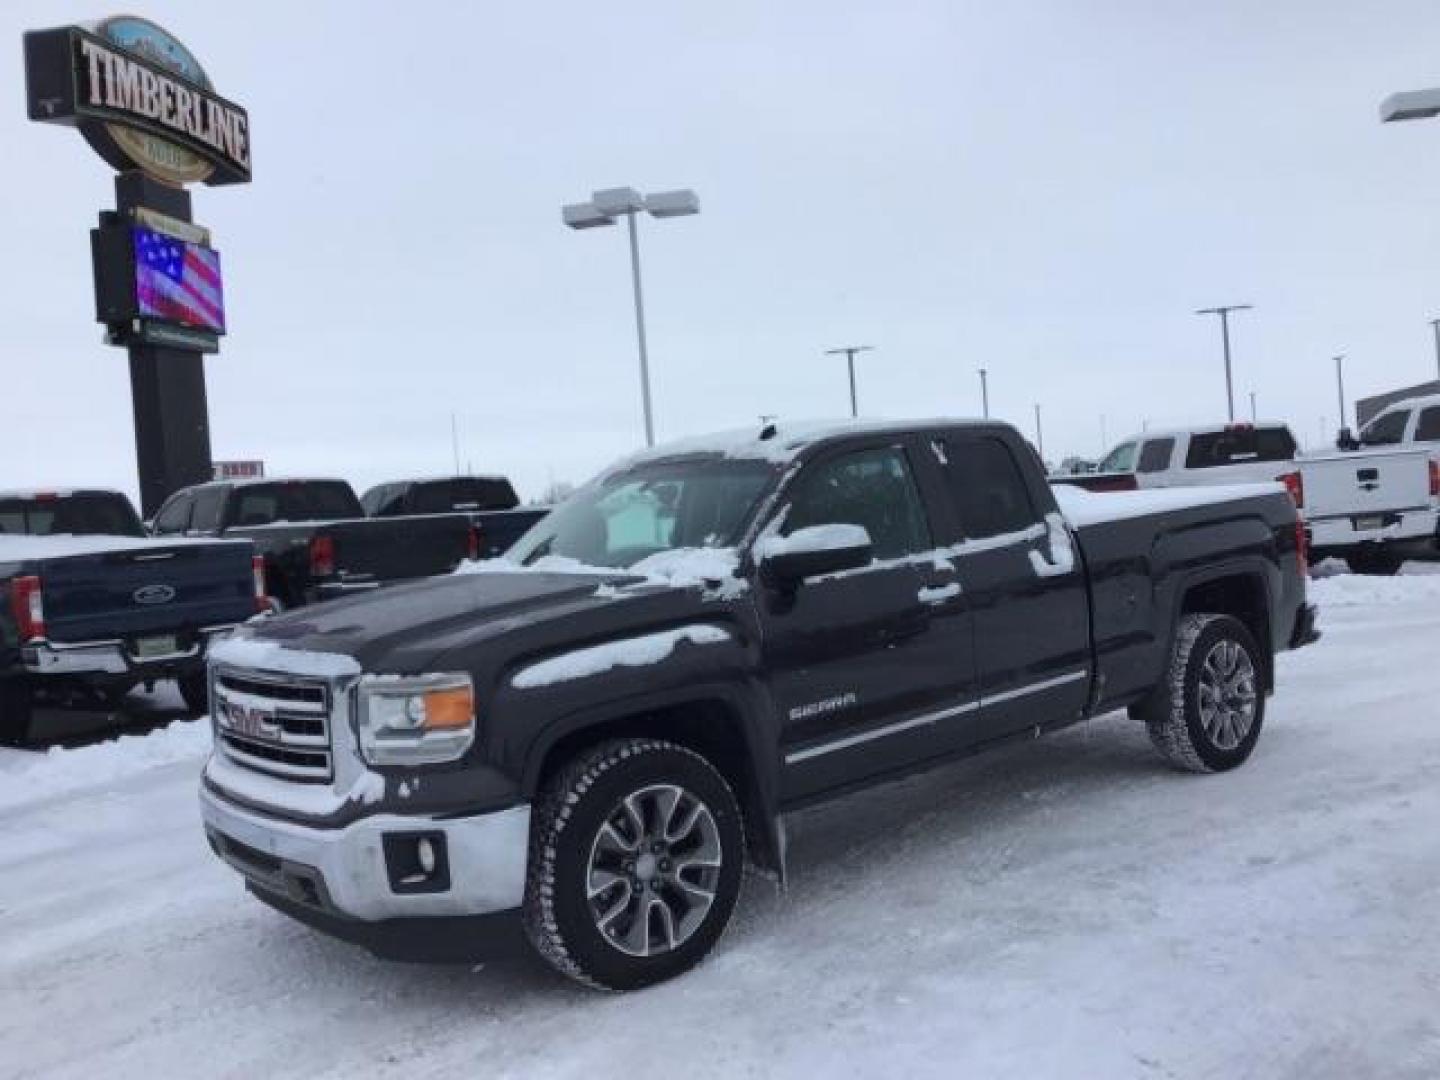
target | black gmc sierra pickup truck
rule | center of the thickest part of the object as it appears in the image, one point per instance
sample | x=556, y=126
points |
x=587, y=740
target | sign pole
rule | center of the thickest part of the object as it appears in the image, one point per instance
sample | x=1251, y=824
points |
x=167, y=385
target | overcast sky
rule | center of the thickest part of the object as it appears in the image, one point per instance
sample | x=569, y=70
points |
x=1047, y=190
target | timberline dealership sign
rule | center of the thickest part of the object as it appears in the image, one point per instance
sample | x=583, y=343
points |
x=140, y=98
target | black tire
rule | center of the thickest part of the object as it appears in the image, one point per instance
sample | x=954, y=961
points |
x=1175, y=716
x=195, y=690
x=16, y=715
x=566, y=830
x=1374, y=563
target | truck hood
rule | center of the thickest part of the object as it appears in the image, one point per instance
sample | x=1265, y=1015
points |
x=406, y=628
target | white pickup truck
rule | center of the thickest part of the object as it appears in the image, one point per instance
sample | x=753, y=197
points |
x=1379, y=504
x=1374, y=505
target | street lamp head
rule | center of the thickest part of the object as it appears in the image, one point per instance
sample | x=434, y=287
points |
x=585, y=216
x=1411, y=105
x=619, y=200
x=665, y=204
x=1222, y=309
x=843, y=350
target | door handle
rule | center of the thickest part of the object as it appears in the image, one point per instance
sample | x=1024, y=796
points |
x=938, y=594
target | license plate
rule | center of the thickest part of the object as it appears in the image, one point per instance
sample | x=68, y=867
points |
x=163, y=645
x=1364, y=524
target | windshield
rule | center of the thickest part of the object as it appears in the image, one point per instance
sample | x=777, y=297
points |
x=1121, y=459
x=655, y=507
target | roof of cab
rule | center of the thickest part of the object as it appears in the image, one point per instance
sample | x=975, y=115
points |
x=781, y=442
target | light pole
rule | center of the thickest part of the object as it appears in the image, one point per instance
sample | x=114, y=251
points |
x=1435, y=325
x=850, y=351
x=1340, y=385
x=1254, y=414
x=603, y=209
x=1224, y=313
x=984, y=394
x=1039, y=434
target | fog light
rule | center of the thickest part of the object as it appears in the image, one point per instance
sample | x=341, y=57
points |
x=417, y=862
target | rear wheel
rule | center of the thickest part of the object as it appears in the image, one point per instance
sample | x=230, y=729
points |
x=1208, y=714
x=16, y=727
x=635, y=857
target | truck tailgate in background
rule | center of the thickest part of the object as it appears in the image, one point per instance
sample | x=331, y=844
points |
x=155, y=589
x=1363, y=485
x=392, y=549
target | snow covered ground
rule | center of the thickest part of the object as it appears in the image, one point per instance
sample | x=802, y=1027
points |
x=1067, y=908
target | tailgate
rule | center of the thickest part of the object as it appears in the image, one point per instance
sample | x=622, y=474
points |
x=392, y=549
x=498, y=529
x=1353, y=485
x=149, y=590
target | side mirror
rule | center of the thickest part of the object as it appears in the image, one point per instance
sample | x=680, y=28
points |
x=785, y=561
x=1346, y=441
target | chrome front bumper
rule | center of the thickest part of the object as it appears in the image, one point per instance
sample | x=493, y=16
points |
x=344, y=872
x=108, y=657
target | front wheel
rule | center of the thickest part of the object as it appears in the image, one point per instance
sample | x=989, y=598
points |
x=636, y=852
x=1208, y=714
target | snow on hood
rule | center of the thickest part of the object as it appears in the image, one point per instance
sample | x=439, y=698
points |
x=243, y=651
x=712, y=568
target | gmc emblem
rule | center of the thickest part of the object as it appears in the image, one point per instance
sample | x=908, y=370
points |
x=249, y=720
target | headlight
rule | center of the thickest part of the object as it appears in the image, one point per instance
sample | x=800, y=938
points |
x=417, y=720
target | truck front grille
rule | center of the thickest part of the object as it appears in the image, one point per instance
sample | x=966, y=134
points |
x=276, y=724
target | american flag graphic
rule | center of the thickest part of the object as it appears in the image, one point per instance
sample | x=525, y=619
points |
x=177, y=281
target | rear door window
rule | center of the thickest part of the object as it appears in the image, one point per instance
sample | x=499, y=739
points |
x=1155, y=457
x=1386, y=430
x=988, y=487
x=1239, y=446
x=1428, y=429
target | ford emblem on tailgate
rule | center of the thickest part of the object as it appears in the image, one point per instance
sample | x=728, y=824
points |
x=154, y=594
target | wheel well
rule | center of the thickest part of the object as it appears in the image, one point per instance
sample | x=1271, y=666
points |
x=711, y=728
x=1241, y=596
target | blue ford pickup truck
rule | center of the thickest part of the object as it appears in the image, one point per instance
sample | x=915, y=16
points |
x=90, y=607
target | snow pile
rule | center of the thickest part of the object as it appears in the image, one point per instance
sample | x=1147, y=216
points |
x=629, y=652
x=26, y=776
x=549, y=564
x=1083, y=507
x=1357, y=590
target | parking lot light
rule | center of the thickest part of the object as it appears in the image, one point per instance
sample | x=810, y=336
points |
x=1411, y=105
x=604, y=207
